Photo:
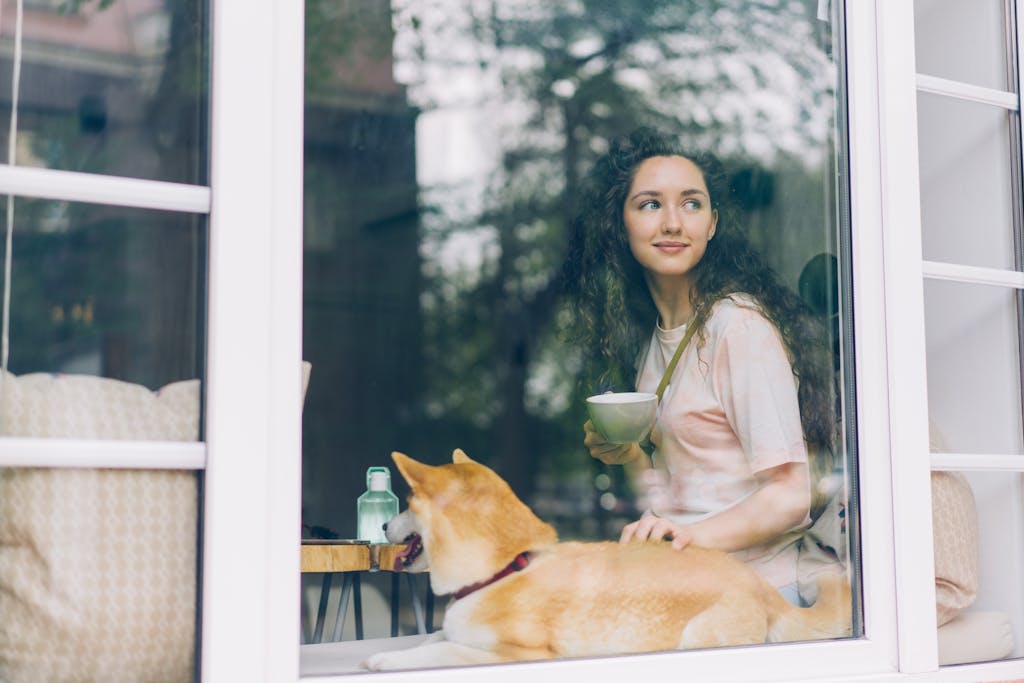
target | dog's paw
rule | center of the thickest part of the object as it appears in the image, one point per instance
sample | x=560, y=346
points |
x=381, y=661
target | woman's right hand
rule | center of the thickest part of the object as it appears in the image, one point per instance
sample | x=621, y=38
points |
x=608, y=453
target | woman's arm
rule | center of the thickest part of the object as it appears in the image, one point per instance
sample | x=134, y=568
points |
x=779, y=504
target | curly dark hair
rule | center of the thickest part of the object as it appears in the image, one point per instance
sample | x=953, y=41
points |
x=614, y=311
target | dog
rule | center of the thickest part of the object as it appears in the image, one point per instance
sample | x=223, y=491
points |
x=519, y=594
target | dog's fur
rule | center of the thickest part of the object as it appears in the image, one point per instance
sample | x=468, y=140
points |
x=576, y=599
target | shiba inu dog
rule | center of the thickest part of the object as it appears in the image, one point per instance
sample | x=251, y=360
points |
x=519, y=594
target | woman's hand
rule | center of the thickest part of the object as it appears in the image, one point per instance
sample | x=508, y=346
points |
x=608, y=453
x=779, y=505
x=650, y=527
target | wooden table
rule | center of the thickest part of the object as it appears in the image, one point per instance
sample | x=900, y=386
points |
x=350, y=560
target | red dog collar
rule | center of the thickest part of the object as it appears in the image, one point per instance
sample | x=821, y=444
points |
x=521, y=562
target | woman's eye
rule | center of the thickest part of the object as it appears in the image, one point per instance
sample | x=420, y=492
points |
x=650, y=204
x=692, y=204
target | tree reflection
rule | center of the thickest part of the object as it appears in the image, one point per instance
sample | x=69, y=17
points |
x=514, y=100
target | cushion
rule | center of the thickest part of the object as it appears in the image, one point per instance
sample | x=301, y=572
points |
x=86, y=407
x=98, y=566
x=975, y=637
x=955, y=535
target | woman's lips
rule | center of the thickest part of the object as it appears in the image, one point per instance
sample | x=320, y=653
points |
x=670, y=247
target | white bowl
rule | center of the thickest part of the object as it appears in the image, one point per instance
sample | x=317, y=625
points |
x=623, y=417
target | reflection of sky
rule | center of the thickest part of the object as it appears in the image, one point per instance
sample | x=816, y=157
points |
x=756, y=74
x=754, y=80
x=454, y=145
x=455, y=154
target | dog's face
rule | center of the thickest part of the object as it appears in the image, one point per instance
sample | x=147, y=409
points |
x=463, y=521
x=412, y=526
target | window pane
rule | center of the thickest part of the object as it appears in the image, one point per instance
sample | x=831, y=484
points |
x=963, y=41
x=113, y=293
x=966, y=182
x=116, y=88
x=447, y=147
x=1000, y=596
x=974, y=391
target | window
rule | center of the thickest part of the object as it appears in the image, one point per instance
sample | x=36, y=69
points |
x=103, y=353
x=233, y=320
x=445, y=146
x=969, y=140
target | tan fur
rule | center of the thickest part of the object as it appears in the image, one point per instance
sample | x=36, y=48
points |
x=581, y=599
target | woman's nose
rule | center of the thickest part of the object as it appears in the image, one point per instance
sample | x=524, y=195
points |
x=673, y=221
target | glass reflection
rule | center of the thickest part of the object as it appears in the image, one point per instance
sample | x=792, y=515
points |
x=965, y=151
x=445, y=145
x=107, y=291
x=115, y=87
x=973, y=360
x=965, y=41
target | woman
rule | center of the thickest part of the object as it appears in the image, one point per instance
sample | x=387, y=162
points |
x=746, y=423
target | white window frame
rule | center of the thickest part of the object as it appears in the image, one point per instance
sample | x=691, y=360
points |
x=875, y=654
x=251, y=456
x=250, y=605
x=250, y=590
x=249, y=609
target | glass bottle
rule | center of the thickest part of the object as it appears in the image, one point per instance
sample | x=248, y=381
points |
x=376, y=506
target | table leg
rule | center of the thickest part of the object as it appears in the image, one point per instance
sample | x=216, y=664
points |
x=417, y=605
x=394, y=604
x=346, y=591
x=358, y=604
x=321, y=612
x=430, y=607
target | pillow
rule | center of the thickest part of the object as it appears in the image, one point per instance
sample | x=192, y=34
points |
x=85, y=407
x=975, y=637
x=955, y=533
x=98, y=566
x=955, y=537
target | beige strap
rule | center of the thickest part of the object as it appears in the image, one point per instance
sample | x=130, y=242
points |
x=663, y=384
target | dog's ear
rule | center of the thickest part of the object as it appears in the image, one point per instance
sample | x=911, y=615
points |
x=413, y=471
x=459, y=456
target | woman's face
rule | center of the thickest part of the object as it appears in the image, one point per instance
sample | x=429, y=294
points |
x=668, y=216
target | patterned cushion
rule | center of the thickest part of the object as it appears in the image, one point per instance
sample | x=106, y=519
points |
x=98, y=567
x=954, y=537
x=955, y=531
x=85, y=407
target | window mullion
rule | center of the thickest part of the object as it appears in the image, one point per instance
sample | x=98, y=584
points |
x=102, y=453
x=977, y=462
x=905, y=338
x=73, y=186
x=967, y=92
x=935, y=270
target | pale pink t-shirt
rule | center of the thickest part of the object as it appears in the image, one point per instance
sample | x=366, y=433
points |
x=729, y=412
